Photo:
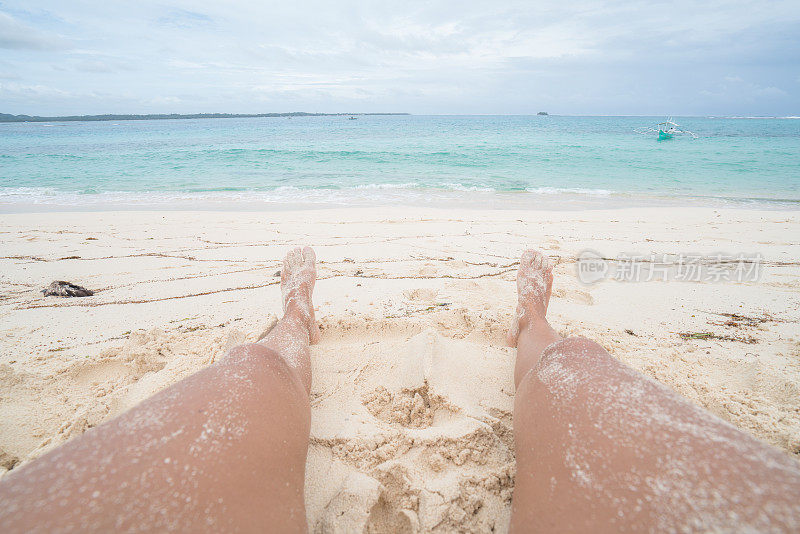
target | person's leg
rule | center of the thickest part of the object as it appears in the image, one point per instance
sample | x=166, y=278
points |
x=601, y=448
x=222, y=450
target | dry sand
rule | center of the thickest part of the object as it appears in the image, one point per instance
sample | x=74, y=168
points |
x=412, y=390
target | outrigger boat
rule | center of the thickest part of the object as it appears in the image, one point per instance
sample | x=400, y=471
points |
x=666, y=130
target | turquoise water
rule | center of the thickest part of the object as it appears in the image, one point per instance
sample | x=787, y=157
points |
x=502, y=161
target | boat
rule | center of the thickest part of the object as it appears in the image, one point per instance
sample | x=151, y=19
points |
x=352, y=118
x=666, y=130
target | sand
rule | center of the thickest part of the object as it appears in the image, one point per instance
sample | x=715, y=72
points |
x=412, y=388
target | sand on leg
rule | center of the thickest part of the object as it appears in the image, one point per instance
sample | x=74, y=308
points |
x=601, y=448
x=223, y=449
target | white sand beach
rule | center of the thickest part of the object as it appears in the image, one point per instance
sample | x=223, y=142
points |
x=412, y=388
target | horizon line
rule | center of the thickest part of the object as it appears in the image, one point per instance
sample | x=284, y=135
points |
x=12, y=118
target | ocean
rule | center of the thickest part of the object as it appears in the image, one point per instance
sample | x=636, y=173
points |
x=525, y=162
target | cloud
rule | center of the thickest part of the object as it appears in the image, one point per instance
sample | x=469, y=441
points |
x=735, y=88
x=770, y=91
x=102, y=64
x=182, y=18
x=449, y=56
x=94, y=66
x=16, y=36
x=159, y=100
x=20, y=89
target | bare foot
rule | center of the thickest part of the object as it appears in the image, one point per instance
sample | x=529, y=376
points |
x=297, y=284
x=534, y=285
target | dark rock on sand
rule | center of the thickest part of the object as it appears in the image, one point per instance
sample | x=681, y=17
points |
x=60, y=288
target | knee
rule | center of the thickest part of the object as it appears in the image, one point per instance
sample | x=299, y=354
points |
x=258, y=358
x=261, y=375
x=570, y=361
x=571, y=351
x=251, y=351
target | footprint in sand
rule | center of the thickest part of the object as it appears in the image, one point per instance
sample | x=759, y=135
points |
x=416, y=429
x=427, y=271
x=421, y=294
x=411, y=408
x=574, y=295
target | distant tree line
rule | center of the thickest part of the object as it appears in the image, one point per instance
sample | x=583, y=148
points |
x=5, y=117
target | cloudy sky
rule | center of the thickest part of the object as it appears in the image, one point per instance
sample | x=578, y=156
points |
x=570, y=57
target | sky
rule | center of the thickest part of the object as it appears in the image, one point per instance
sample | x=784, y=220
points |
x=732, y=58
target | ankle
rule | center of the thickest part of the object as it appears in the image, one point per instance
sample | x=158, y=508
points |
x=531, y=344
x=536, y=329
x=531, y=318
x=297, y=313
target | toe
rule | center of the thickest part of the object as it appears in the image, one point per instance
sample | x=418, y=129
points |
x=543, y=262
x=539, y=261
x=293, y=258
x=309, y=257
x=546, y=264
x=527, y=258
